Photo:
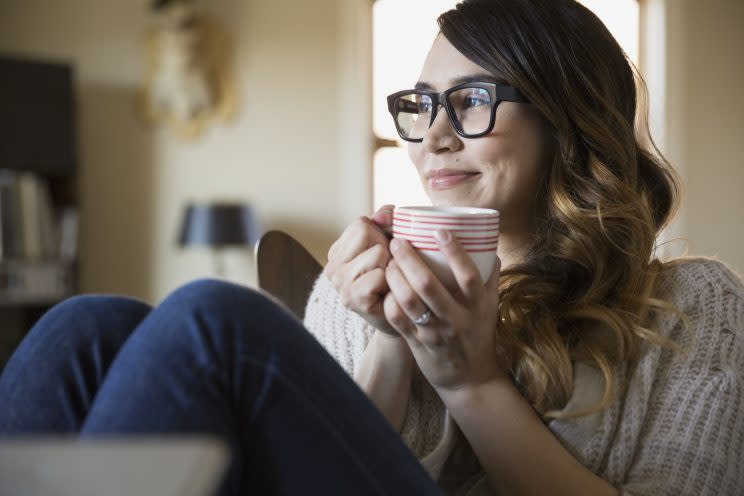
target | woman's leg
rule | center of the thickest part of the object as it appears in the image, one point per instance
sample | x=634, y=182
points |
x=50, y=381
x=221, y=359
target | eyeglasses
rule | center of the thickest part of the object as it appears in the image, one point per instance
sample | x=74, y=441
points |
x=471, y=108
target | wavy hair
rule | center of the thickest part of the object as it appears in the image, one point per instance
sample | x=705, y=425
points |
x=585, y=289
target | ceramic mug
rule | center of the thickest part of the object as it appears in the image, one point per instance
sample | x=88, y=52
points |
x=477, y=229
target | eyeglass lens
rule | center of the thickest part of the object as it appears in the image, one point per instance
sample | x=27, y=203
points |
x=471, y=108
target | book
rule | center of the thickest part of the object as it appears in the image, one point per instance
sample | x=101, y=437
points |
x=10, y=216
x=28, y=194
x=68, y=234
x=28, y=227
x=47, y=222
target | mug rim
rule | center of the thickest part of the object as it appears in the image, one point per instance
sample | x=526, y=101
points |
x=448, y=211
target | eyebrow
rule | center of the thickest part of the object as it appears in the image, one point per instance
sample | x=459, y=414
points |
x=422, y=85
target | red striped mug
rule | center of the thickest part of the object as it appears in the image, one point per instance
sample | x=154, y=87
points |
x=477, y=229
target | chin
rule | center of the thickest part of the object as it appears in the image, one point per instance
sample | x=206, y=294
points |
x=450, y=200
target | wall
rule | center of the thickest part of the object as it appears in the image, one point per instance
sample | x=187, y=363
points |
x=714, y=128
x=691, y=61
x=135, y=180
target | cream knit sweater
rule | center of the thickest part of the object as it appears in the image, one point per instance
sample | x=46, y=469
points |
x=678, y=430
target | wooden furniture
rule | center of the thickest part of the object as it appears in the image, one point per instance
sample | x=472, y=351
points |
x=286, y=270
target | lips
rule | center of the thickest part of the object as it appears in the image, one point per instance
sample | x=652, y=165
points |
x=448, y=178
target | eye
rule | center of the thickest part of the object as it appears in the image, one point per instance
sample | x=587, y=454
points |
x=424, y=105
x=470, y=99
x=477, y=98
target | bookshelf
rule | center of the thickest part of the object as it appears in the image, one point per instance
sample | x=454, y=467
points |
x=39, y=197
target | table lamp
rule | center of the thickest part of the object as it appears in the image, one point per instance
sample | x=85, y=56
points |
x=218, y=226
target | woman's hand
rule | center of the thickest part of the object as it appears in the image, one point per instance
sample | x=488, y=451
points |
x=458, y=347
x=356, y=267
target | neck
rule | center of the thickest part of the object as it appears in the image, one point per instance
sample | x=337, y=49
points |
x=513, y=247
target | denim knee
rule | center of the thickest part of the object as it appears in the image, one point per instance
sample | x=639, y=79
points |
x=215, y=300
x=84, y=318
x=216, y=295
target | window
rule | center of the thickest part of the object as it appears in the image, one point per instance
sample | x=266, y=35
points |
x=622, y=19
x=397, y=23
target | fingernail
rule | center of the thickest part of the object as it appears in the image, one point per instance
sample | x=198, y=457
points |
x=442, y=235
x=394, y=245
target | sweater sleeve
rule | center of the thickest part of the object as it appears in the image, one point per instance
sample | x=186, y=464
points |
x=690, y=409
x=342, y=333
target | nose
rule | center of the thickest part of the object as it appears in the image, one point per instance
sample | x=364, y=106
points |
x=441, y=136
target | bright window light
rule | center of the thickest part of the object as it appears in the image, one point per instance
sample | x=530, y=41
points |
x=622, y=19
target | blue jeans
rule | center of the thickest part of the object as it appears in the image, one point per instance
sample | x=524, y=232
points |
x=213, y=358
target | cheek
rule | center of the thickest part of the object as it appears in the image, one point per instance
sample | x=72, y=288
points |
x=498, y=158
x=522, y=145
x=514, y=162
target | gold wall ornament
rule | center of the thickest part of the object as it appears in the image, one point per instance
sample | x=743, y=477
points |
x=188, y=77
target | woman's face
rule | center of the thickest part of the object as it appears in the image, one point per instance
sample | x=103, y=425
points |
x=501, y=170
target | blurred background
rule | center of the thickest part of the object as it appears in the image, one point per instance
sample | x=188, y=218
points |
x=297, y=130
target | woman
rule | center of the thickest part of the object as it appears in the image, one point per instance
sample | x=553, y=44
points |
x=579, y=367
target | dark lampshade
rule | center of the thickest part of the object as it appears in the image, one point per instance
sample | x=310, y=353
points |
x=219, y=224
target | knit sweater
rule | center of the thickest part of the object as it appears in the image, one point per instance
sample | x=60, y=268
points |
x=677, y=430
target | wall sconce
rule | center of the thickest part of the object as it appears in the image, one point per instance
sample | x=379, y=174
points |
x=188, y=79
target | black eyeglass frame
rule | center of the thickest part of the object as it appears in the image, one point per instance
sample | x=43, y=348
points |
x=498, y=93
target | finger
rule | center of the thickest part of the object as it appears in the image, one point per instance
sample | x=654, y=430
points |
x=397, y=317
x=333, y=260
x=406, y=297
x=359, y=236
x=373, y=257
x=428, y=287
x=377, y=256
x=411, y=305
x=370, y=289
x=361, y=294
x=384, y=216
x=341, y=240
x=463, y=267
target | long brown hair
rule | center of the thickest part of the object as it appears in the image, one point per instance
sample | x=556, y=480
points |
x=584, y=290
